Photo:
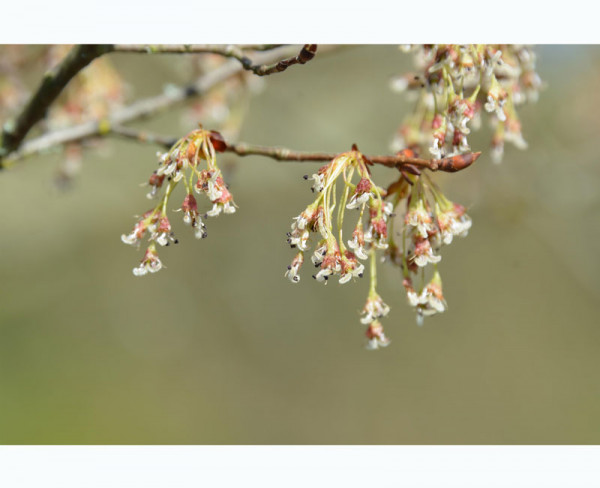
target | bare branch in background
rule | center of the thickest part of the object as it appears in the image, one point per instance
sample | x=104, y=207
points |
x=230, y=51
x=138, y=110
x=50, y=88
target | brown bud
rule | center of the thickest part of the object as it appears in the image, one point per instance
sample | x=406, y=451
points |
x=217, y=141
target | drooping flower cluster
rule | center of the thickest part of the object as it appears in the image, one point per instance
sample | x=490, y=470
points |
x=191, y=160
x=455, y=85
x=319, y=230
x=428, y=222
x=408, y=223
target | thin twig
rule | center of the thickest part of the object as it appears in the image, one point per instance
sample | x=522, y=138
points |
x=51, y=86
x=231, y=51
x=143, y=136
x=451, y=164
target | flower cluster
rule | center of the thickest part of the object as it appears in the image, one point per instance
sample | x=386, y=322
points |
x=428, y=222
x=191, y=160
x=318, y=231
x=407, y=223
x=459, y=82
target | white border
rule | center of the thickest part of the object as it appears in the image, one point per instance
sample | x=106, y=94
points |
x=322, y=21
x=297, y=466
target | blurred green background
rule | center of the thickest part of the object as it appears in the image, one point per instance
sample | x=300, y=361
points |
x=220, y=348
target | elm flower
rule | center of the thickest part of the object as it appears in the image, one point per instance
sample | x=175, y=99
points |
x=219, y=206
x=298, y=238
x=192, y=217
x=419, y=218
x=460, y=112
x=357, y=244
x=318, y=178
x=374, y=309
x=432, y=299
x=146, y=222
x=331, y=265
x=172, y=166
x=496, y=98
x=163, y=235
x=292, y=270
x=452, y=221
x=307, y=218
x=135, y=235
x=350, y=268
x=423, y=253
x=150, y=264
x=361, y=195
x=155, y=182
x=377, y=231
x=376, y=336
x=439, y=126
x=319, y=254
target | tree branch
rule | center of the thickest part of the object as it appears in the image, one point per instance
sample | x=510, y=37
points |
x=399, y=161
x=137, y=110
x=50, y=88
x=231, y=51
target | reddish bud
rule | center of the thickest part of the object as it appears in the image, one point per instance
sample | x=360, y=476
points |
x=217, y=141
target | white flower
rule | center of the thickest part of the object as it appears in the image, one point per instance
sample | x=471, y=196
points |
x=355, y=270
x=319, y=254
x=292, y=270
x=374, y=309
x=357, y=200
x=319, y=182
x=330, y=266
x=219, y=207
x=323, y=275
x=358, y=248
x=299, y=238
x=419, y=218
x=150, y=264
x=423, y=253
x=388, y=210
x=376, y=336
x=452, y=221
x=131, y=238
x=199, y=229
x=214, y=191
x=496, y=105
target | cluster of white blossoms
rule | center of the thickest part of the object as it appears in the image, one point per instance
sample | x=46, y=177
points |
x=182, y=163
x=428, y=222
x=319, y=232
x=424, y=218
x=456, y=83
x=315, y=224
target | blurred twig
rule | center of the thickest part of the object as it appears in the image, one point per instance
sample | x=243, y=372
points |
x=230, y=51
